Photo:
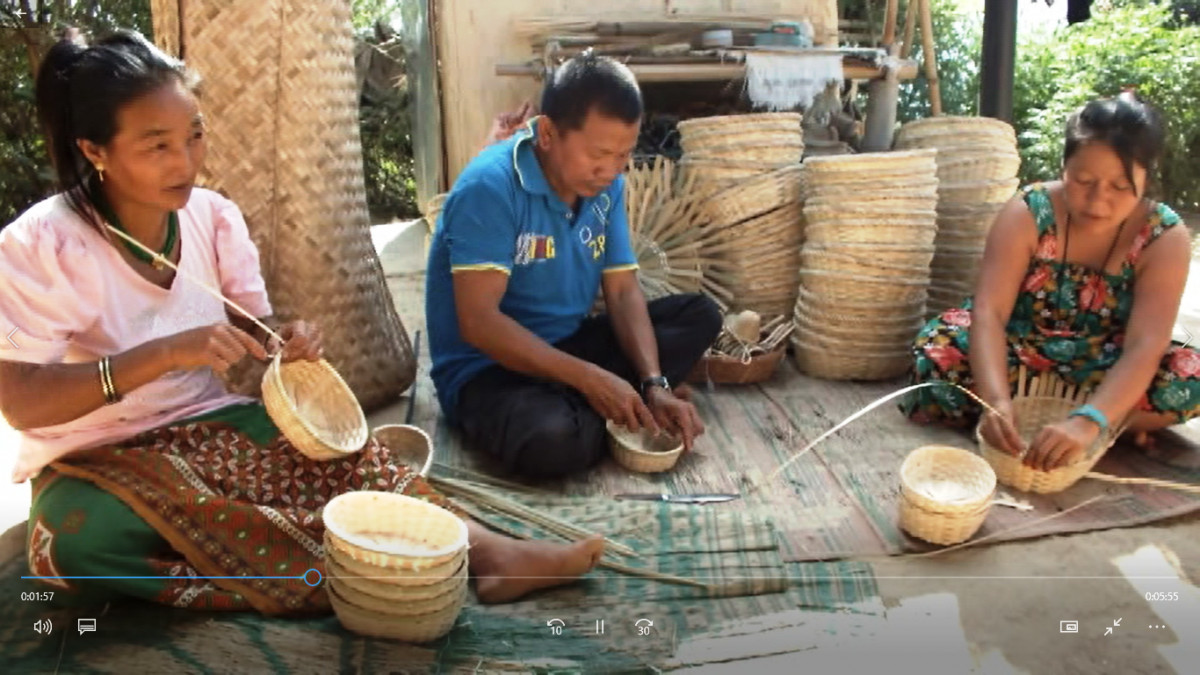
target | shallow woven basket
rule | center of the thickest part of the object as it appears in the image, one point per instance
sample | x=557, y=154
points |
x=1042, y=400
x=725, y=369
x=883, y=316
x=774, y=153
x=756, y=196
x=426, y=575
x=314, y=408
x=406, y=608
x=911, y=264
x=849, y=362
x=946, y=493
x=887, y=254
x=915, y=161
x=871, y=233
x=393, y=530
x=828, y=334
x=631, y=450
x=945, y=131
x=734, y=123
x=408, y=444
x=975, y=167
x=381, y=595
x=842, y=286
x=425, y=628
x=702, y=141
x=977, y=192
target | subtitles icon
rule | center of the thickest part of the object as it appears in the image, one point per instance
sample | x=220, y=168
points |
x=87, y=626
x=43, y=626
x=1068, y=626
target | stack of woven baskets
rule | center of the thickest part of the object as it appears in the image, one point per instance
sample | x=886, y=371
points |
x=977, y=169
x=870, y=227
x=746, y=169
x=397, y=566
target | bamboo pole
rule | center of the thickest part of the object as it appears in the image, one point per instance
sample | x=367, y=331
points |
x=930, y=57
x=910, y=27
x=889, y=23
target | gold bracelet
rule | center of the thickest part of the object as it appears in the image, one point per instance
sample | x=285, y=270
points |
x=106, y=382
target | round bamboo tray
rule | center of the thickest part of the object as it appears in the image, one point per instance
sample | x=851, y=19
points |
x=314, y=408
x=734, y=123
x=946, y=494
x=867, y=233
x=1033, y=412
x=725, y=369
x=916, y=161
x=392, y=576
x=977, y=192
x=409, y=444
x=393, y=530
x=407, y=629
x=642, y=452
x=849, y=363
x=756, y=196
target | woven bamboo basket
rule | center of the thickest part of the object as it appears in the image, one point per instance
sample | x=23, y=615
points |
x=1042, y=400
x=888, y=254
x=393, y=530
x=946, y=494
x=725, y=369
x=642, y=452
x=849, y=363
x=873, y=192
x=832, y=260
x=977, y=192
x=915, y=161
x=404, y=608
x=828, y=334
x=959, y=124
x=840, y=286
x=282, y=129
x=856, y=233
x=884, y=316
x=408, y=444
x=720, y=139
x=440, y=573
x=756, y=196
x=381, y=595
x=773, y=153
x=314, y=408
x=734, y=123
x=363, y=621
x=872, y=206
x=977, y=168
x=870, y=182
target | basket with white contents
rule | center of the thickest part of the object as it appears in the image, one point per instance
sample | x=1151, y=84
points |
x=945, y=494
x=397, y=565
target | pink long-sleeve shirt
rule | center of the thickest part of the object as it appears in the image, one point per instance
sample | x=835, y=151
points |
x=72, y=298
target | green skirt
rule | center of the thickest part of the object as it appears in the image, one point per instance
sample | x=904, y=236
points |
x=222, y=495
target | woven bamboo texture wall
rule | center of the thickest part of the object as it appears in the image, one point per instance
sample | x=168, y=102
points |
x=281, y=108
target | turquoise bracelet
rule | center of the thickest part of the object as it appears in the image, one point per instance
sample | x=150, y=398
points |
x=1093, y=414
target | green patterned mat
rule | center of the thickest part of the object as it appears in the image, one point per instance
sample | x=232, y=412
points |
x=722, y=545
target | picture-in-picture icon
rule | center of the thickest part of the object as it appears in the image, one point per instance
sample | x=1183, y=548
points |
x=1068, y=626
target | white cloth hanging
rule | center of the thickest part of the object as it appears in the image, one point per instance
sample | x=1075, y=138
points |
x=781, y=81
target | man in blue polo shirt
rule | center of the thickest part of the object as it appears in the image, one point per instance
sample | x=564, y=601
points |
x=532, y=231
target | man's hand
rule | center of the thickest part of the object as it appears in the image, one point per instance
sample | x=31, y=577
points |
x=506, y=124
x=676, y=416
x=1061, y=443
x=301, y=340
x=617, y=400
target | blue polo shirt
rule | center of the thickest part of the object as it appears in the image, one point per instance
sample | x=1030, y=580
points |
x=502, y=215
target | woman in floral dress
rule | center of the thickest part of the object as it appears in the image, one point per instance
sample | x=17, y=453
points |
x=1081, y=277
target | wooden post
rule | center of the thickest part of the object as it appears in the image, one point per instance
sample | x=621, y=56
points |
x=910, y=27
x=930, y=57
x=889, y=23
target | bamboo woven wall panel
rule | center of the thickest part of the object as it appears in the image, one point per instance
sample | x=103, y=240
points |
x=281, y=108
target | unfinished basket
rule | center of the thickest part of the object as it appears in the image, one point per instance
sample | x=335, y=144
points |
x=1041, y=400
x=642, y=452
x=393, y=530
x=425, y=628
x=725, y=369
x=946, y=494
x=314, y=408
x=408, y=444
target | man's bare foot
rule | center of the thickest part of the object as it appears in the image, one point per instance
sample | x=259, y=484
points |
x=506, y=569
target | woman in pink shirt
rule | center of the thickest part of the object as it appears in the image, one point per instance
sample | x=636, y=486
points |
x=142, y=464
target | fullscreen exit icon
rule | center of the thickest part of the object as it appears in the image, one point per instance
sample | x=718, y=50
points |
x=1068, y=626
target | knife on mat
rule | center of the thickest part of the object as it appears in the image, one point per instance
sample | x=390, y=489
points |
x=705, y=498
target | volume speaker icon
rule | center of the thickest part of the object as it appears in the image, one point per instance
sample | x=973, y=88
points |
x=43, y=626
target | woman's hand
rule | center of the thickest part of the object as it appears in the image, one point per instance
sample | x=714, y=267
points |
x=1061, y=443
x=1000, y=430
x=301, y=340
x=218, y=346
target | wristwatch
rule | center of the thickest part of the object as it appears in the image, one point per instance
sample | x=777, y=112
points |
x=656, y=381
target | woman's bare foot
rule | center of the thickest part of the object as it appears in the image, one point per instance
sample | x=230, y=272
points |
x=506, y=569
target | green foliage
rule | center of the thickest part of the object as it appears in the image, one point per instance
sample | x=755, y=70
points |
x=1128, y=44
x=25, y=175
x=958, y=42
x=388, y=158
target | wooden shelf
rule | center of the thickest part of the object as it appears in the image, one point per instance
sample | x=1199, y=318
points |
x=708, y=72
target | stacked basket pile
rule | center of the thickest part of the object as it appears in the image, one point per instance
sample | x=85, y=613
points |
x=977, y=169
x=870, y=228
x=746, y=169
x=397, y=566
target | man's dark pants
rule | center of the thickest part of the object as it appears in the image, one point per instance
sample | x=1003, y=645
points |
x=543, y=429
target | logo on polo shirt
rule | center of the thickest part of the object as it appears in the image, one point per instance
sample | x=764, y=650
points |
x=534, y=247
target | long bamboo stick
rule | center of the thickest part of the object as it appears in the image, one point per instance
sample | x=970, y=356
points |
x=930, y=57
x=910, y=26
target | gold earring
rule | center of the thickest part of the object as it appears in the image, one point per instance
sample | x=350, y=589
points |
x=100, y=172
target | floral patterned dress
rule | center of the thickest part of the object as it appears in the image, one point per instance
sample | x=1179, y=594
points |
x=1075, y=331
